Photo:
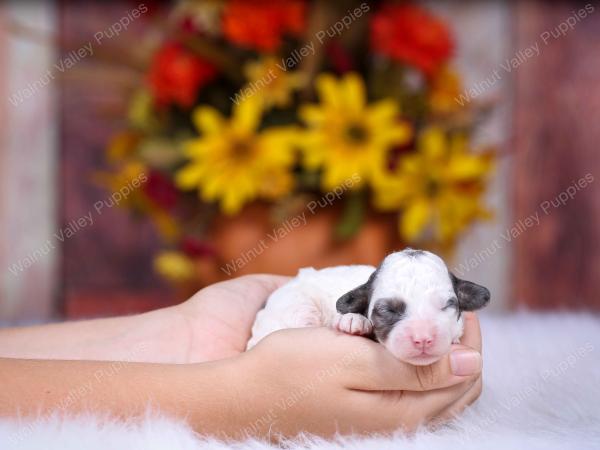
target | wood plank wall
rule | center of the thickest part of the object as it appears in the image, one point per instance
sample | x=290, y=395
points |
x=107, y=266
x=557, y=100
x=557, y=138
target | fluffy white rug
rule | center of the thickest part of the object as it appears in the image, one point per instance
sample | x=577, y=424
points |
x=541, y=391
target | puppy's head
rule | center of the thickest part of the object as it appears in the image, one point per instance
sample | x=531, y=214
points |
x=415, y=304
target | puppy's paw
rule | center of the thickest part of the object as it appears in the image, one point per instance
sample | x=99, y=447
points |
x=352, y=323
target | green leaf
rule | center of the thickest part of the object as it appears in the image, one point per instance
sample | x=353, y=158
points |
x=352, y=216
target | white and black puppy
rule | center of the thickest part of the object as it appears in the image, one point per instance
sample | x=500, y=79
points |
x=411, y=303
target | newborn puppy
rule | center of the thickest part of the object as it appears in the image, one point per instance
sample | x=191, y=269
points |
x=411, y=304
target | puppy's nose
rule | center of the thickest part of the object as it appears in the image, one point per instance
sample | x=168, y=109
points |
x=422, y=336
x=422, y=342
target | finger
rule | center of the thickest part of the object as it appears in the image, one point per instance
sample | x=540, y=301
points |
x=251, y=291
x=472, y=331
x=259, y=285
x=256, y=290
x=424, y=407
x=379, y=370
x=467, y=399
x=433, y=403
x=410, y=410
x=267, y=283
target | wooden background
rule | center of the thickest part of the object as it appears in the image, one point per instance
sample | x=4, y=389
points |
x=107, y=269
x=556, y=99
x=557, y=138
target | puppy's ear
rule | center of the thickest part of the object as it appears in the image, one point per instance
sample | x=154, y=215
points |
x=470, y=296
x=357, y=300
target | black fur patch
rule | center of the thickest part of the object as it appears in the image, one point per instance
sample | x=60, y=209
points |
x=357, y=300
x=386, y=313
x=470, y=296
x=412, y=253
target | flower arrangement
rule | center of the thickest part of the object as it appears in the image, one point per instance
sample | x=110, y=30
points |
x=260, y=101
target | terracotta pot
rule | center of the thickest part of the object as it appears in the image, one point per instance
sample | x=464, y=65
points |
x=252, y=243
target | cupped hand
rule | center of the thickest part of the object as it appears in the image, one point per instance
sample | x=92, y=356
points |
x=218, y=319
x=321, y=381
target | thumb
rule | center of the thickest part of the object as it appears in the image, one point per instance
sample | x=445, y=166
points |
x=381, y=371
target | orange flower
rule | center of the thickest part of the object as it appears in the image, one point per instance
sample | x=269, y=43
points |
x=445, y=89
x=177, y=74
x=260, y=24
x=122, y=146
x=411, y=35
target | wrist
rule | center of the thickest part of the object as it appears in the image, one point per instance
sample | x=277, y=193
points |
x=223, y=403
x=165, y=335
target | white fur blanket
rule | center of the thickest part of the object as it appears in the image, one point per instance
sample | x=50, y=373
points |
x=541, y=391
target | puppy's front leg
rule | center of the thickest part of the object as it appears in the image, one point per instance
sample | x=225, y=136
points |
x=353, y=323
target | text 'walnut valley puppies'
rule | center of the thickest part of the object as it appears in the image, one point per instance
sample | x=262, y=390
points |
x=411, y=303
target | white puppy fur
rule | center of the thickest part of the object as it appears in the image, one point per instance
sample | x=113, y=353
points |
x=411, y=304
x=308, y=300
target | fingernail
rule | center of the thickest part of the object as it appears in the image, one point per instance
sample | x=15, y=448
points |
x=465, y=362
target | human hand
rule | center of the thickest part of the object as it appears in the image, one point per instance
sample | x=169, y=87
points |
x=213, y=324
x=320, y=381
x=312, y=380
x=218, y=319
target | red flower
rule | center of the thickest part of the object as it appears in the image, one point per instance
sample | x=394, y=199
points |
x=411, y=35
x=340, y=58
x=161, y=190
x=195, y=248
x=177, y=74
x=260, y=24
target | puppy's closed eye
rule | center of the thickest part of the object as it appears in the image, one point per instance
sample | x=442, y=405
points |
x=390, y=307
x=386, y=313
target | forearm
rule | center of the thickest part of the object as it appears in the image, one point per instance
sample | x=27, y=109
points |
x=139, y=338
x=204, y=394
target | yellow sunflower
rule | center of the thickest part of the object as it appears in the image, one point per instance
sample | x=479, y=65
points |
x=232, y=162
x=440, y=186
x=272, y=82
x=345, y=135
x=174, y=266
